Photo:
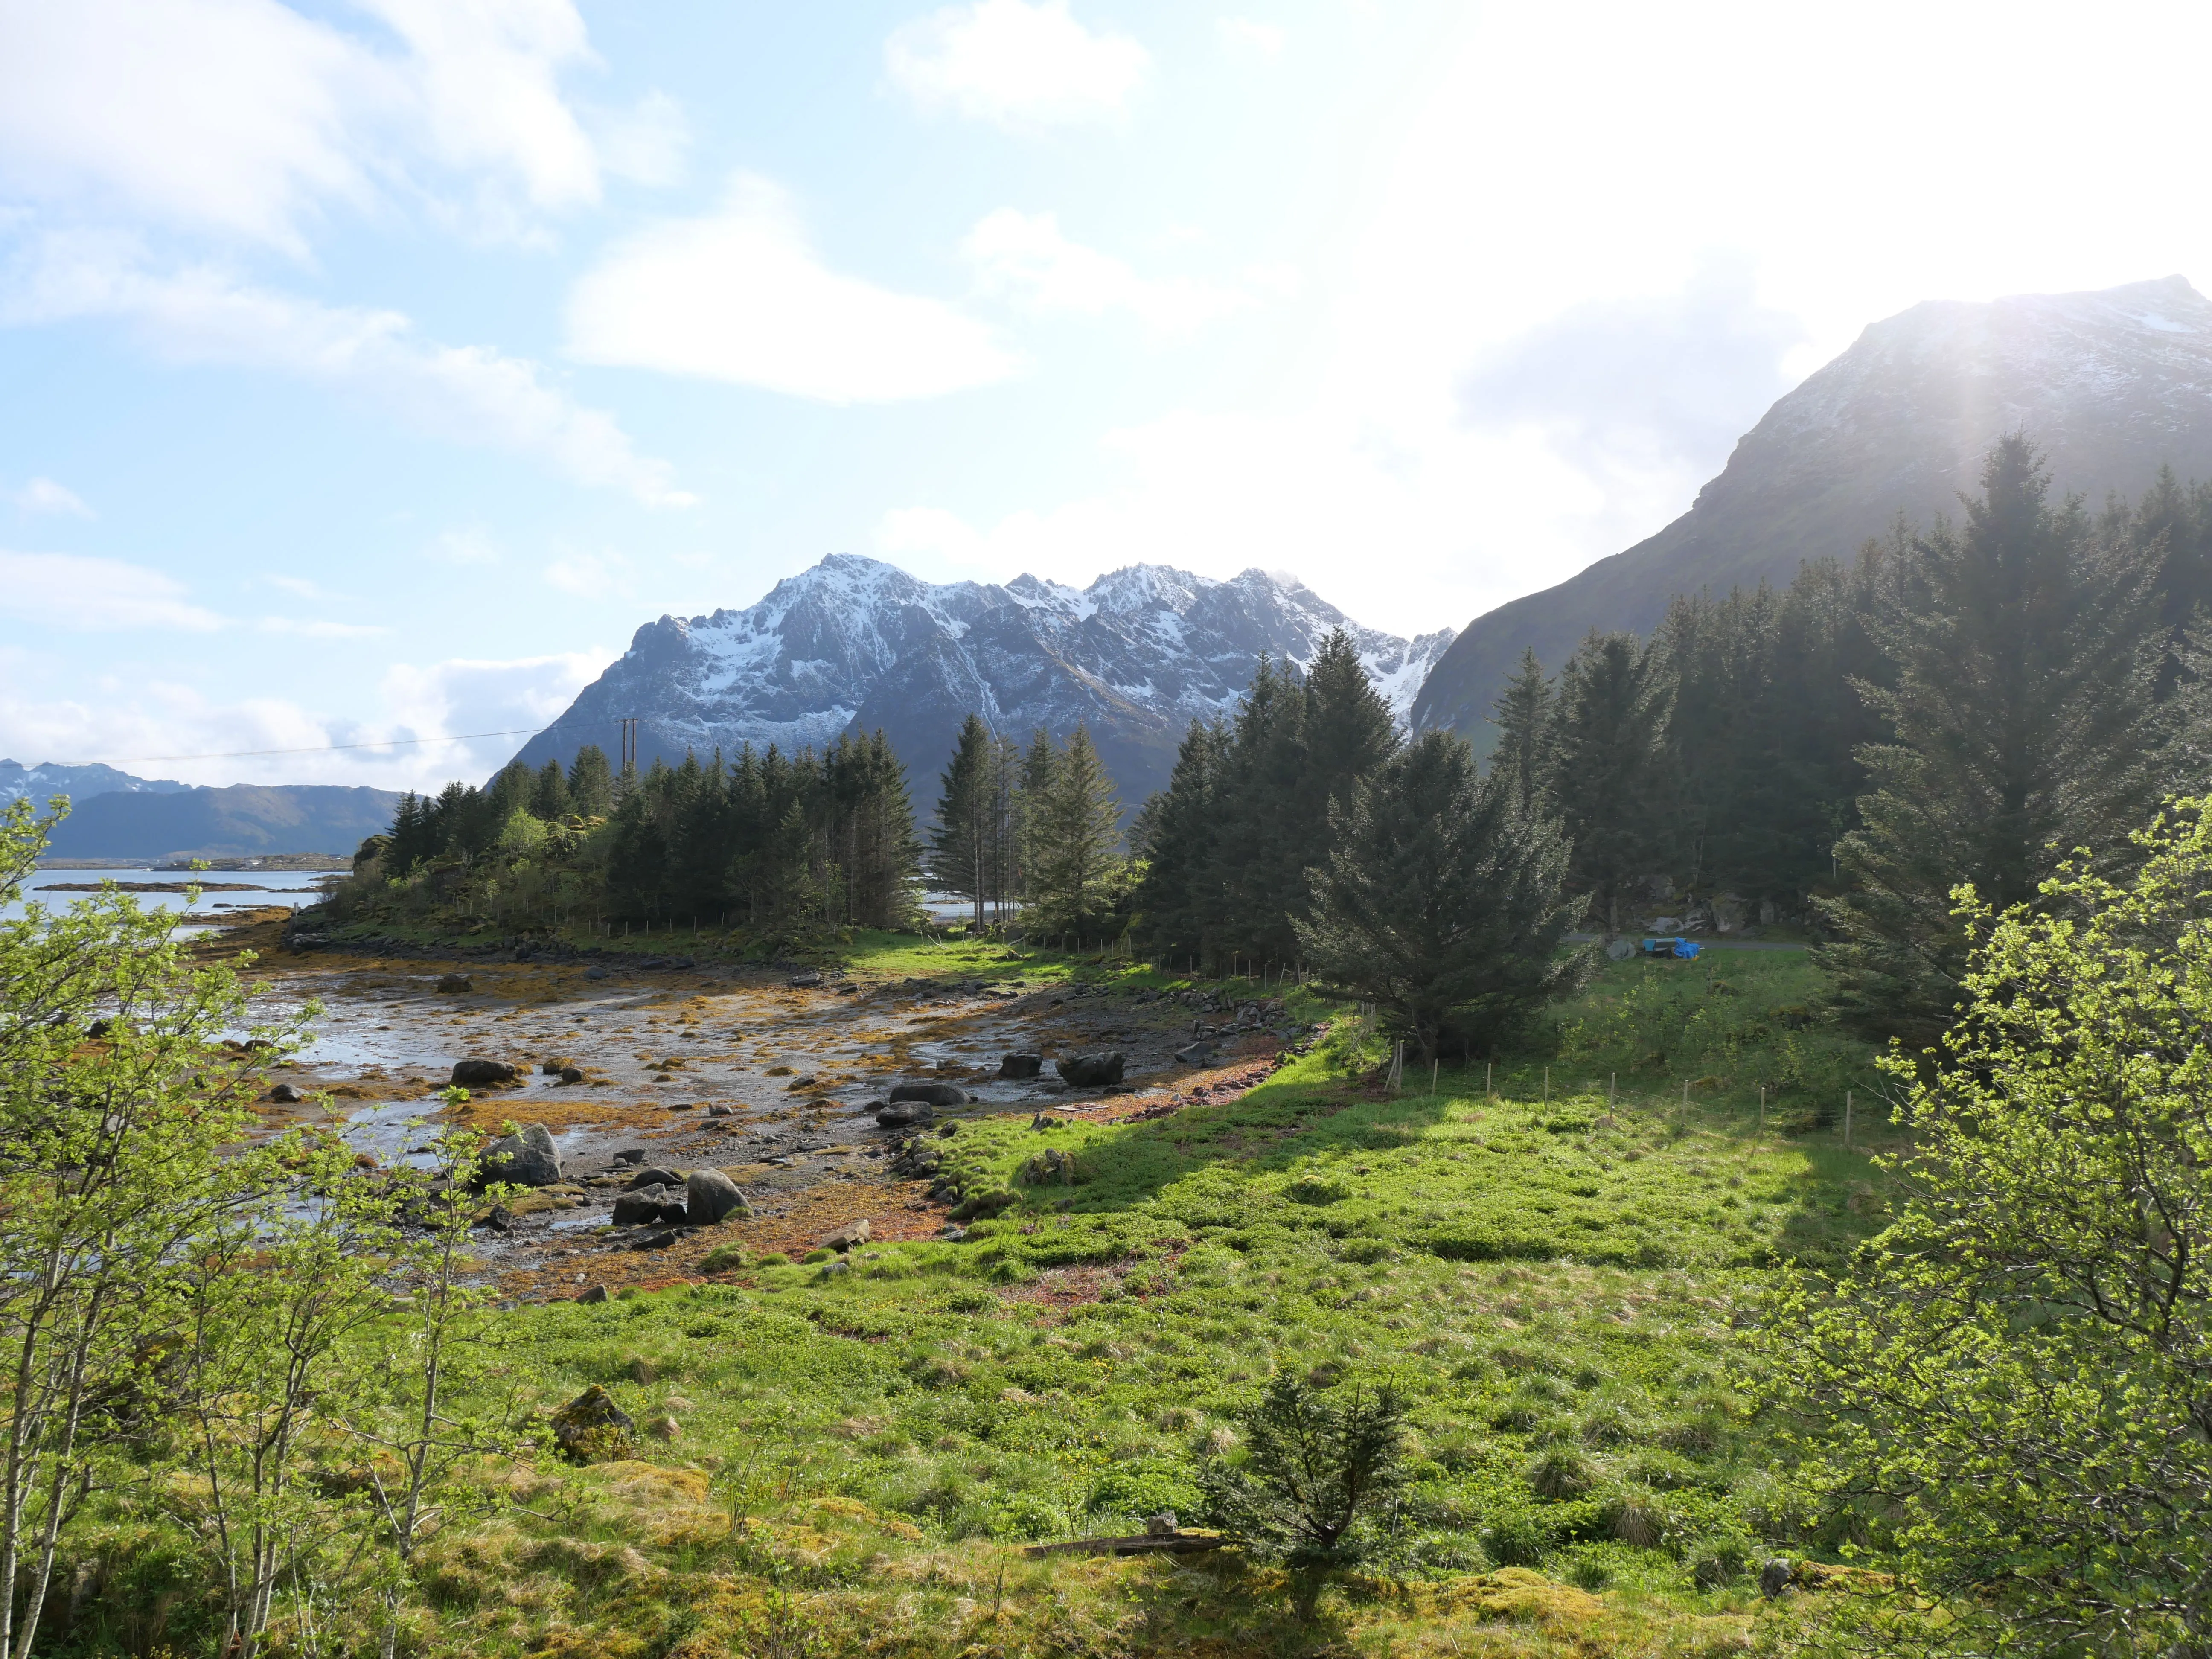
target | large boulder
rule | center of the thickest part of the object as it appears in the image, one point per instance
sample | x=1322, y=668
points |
x=1021, y=1067
x=592, y=1427
x=935, y=1094
x=481, y=1074
x=904, y=1114
x=1090, y=1071
x=656, y=1207
x=526, y=1158
x=710, y=1196
x=848, y=1237
x=653, y=1176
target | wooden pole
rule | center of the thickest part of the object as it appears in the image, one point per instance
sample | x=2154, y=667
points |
x=1432, y=1079
x=1548, y=1085
x=1612, y=1088
x=1488, y=1066
x=1847, y=1119
x=1686, y=1092
x=1762, y=1107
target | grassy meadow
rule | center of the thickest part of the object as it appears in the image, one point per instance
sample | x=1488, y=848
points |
x=844, y=1455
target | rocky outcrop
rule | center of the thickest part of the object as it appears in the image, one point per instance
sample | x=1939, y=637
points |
x=1090, y=1071
x=591, y=1428
x=710, y=1196
x=933, y=1094
x=651, y=1206
x=526, y=1158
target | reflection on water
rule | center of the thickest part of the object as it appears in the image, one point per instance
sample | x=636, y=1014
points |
x=289, y=888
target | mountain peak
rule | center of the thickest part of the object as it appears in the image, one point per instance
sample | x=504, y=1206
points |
x=852, y=644
x=2110, y=384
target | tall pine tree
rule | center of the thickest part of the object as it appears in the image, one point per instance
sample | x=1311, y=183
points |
x=1073, y=824
x=2025, y=726
x=1443, y=892
x=1522, y=715
x=961, y=841
x=1604, y=772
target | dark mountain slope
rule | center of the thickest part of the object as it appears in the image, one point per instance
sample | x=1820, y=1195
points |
x=243, y=821
x=2111, y=385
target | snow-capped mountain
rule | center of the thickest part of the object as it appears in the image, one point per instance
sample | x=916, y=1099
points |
x=854, y=644
x=49, y=778
x=2110, y=385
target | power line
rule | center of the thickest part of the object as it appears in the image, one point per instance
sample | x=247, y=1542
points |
x=317, y=748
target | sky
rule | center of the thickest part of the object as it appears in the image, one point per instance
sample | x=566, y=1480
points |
x=372, y=371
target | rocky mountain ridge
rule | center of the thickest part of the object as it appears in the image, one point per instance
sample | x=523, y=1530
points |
x=2111, y=385
x=46, y=780
x=854, y=644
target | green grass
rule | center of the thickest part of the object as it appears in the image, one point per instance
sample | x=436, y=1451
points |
x=1561, y=1287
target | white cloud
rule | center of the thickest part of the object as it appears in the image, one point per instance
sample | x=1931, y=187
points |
x=742, y=296
x=1016, y=64
x=317, y=628
x=45, y=495
x=1246, y=34
x=645, y=144
x=247, y=118
x=481, y=78
x=468, y=694
x=134, y=722
x=468, y=546
x=1386, y=520
x=591, y=575
x=94, y=595
x=1024, y=256
x=468, y=394
x=298, y=586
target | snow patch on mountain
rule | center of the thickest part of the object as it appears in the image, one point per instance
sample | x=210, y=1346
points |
x=854, y=644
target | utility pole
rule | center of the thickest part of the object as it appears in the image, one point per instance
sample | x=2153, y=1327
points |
x=629, y=743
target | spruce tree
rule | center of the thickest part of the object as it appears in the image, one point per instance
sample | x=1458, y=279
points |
x=1522, y=715
x=590, y=783
x=1074, y=824
x=960, y=840
x=1348, y=731
x=1612, y=719
x=549, y=793
x=2024, y=726
x=1177, y=900
x=1263, y=822
x=872, y=842
x=1443, y=892
x=1035, y=772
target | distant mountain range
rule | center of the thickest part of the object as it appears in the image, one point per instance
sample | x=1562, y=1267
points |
x=2111, y=385
x=113, y=815
x=854, y=644
x=43, y=782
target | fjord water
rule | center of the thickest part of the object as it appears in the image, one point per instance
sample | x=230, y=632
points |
x=289, y=888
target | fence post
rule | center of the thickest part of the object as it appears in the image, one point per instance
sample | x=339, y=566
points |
x=1847, y=1120
x=1488, y=1092
x=1762, y=1108
x=1611, y=1088
x=1548, y=1085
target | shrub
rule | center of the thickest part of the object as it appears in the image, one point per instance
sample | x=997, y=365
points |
x=1318, y=1461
